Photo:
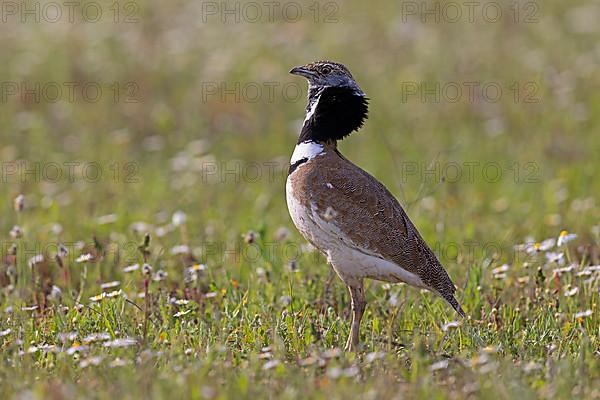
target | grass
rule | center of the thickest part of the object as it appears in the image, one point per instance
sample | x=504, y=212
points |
x=235, y=303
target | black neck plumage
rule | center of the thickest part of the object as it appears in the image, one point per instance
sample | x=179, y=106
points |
x=333, y=113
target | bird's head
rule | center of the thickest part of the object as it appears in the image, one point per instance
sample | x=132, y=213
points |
x=336, y=104
x=324, y=74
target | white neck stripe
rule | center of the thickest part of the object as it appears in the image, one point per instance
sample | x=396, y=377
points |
x=312, y=109
x=306, y=150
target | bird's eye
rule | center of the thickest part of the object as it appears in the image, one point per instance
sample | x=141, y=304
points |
x=326, y=70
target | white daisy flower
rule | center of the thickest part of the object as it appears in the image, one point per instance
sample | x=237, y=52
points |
x=565, y=237
x=179, y=218
x=554, y=257
x=131, y=268
x=84, y=258
x=583, y=314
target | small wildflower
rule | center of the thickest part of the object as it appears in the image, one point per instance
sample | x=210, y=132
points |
x=443, y=364
x=55, y=293
x=250, y=237
x=554, y=257
x=531, y=366
x=98, y=297
x=126, y=342
x=334, y=372
x=131, y=268
x=199, y=267
x=310, y=360
x=180, y=249
x=181, y=313
x=117, y=362
x=529, y=242
x=96, y=337
x=376, y=355
x=570, y=292
x=77, y=348
x=350, y=371
x=91, y=361
x=560, y=271
x=19, y=203
x=37, y=259
x=146, y=269
x=271, y=364
x=452, y=324
x=162, y=231
x=114, y=293
x=208, y=392
x=285, y=301
x=107, y=219
x=190, y=275
x=49, y=348
x=583, y=314
x=565, y=237
x=490, y=349
x=282, y=233
x=179, y=218
x=181, y=302
x=534, y=248
x=56, y=229
x=139, y=227
x=159, y=276
x=292, y=266
x=543, y=246
x=501, y=269
x=547, y=244
x=500, y=272
x=109, y=285
x=592, y=268
x=332, y=353
x=62, y=250
x=84, y=258
x=16, y=232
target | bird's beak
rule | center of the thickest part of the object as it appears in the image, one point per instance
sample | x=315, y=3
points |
x=302, y=71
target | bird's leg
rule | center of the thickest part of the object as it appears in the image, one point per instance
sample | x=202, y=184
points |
x=359, y=303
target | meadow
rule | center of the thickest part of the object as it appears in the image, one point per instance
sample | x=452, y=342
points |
x=147, y=250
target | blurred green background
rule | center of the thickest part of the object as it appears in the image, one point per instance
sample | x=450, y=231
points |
x=169, y=59
x=198, y=113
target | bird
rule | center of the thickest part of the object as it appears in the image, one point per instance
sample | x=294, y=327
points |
x=342, y=210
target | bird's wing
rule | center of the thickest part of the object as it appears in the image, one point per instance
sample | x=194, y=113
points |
x=374, y=221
